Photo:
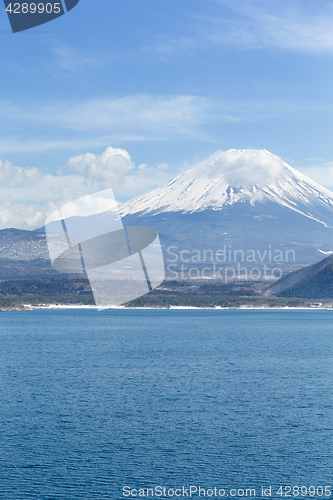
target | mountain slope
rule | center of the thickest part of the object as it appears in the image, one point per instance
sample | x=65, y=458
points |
x=242, y=201
x=312, y=282
x=306, y=282
x=235, y=177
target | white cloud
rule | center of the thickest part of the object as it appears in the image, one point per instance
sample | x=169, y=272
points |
x=158, y=114
x=13, y=175
x=26, y=205
x=163, y=116
x=244, y=168
x=22, y=215
x=28, y=195
x=107, y=169
x=69, y=60
x=143, y=179
x=42, y=145
x=98, y=123
x=294, y=26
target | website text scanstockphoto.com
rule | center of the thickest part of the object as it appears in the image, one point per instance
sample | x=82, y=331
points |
x=199, y=491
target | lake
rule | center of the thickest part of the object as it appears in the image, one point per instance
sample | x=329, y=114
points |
x=93, y=402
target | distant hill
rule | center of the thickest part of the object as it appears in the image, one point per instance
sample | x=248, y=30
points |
x=311, y=282
x=24, y=254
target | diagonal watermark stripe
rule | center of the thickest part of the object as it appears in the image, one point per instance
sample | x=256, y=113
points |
x=121, y=264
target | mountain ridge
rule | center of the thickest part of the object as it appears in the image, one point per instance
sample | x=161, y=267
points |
x=231, y=177
x=241, y=201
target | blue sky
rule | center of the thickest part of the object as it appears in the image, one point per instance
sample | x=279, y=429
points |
x=165, y=82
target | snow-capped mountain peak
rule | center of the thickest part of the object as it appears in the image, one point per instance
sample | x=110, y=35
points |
x=233, y=177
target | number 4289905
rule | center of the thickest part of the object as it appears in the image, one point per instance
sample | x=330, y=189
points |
x=303, y=491
x=34, y=8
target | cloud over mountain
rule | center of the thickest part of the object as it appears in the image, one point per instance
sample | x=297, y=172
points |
x=29, y=195
x=244, y=168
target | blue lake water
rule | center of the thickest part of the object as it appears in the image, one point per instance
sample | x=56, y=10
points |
x=95, y=401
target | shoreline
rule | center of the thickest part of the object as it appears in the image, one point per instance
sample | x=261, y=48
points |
x=53, y=307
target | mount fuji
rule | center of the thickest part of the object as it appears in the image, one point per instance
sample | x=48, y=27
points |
x=239, y=201
x=235, y=177
x=244, y=208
